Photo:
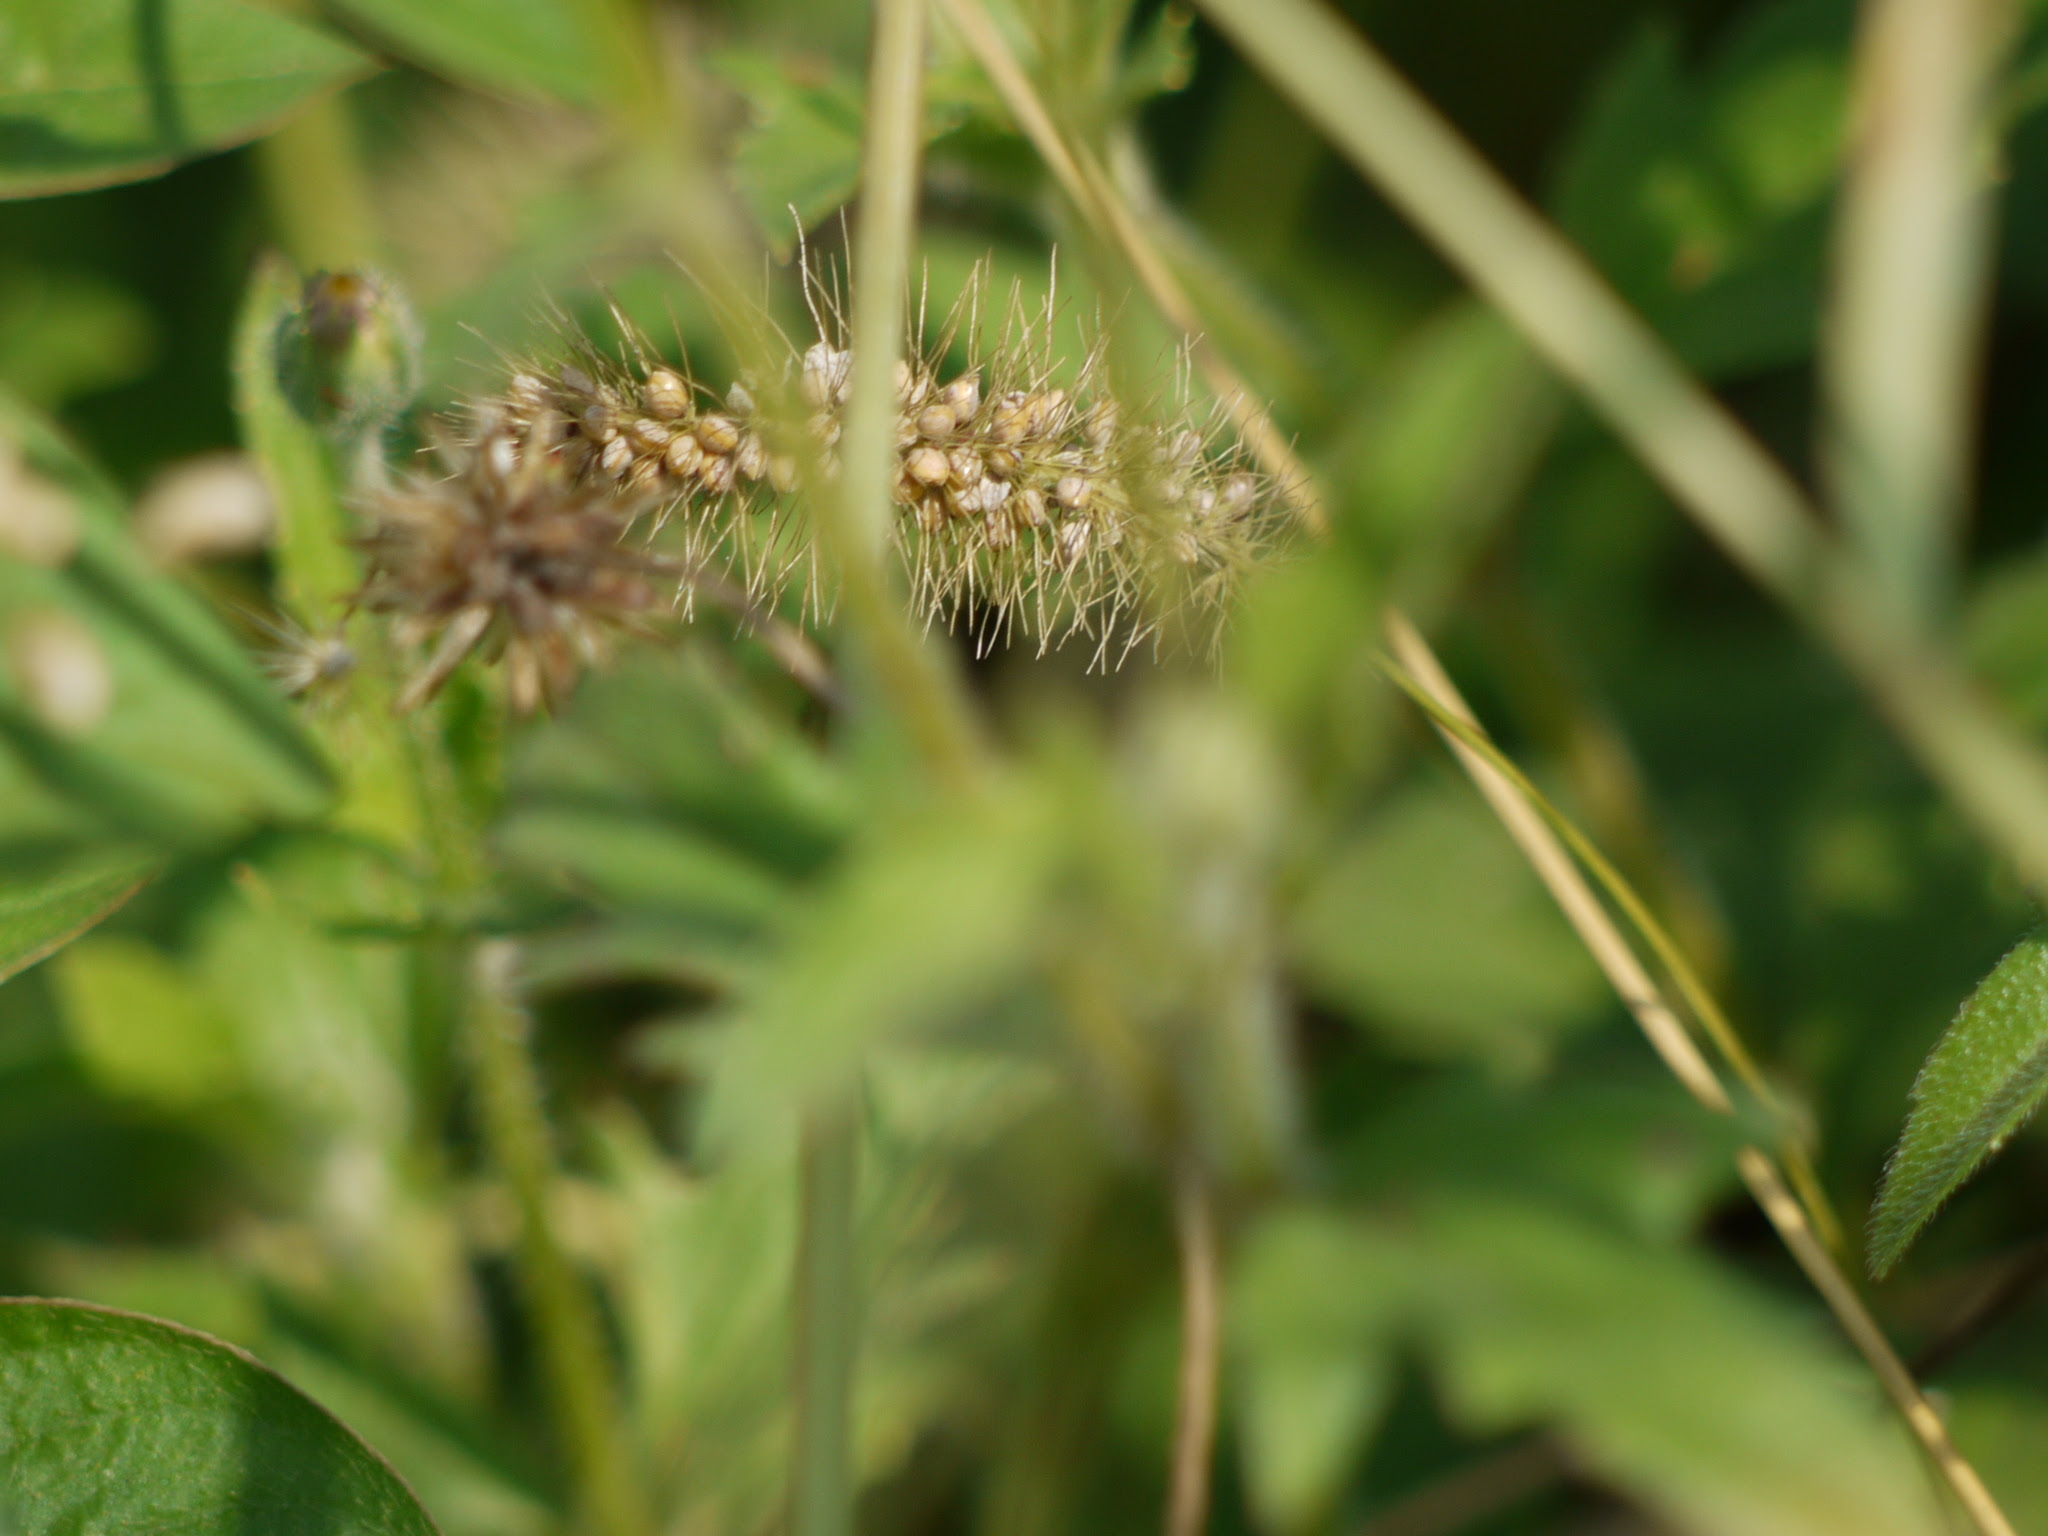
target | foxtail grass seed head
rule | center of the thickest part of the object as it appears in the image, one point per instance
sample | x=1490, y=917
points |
x=1024, y=506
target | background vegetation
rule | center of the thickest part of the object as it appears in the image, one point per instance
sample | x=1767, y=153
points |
x=609, y=1113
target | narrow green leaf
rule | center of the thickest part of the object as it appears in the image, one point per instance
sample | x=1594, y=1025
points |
x=112, y=1422
x=525, y=47
x=1318, y=1309
x=100, y=91
x=123, y=698
x=39, y=916
x=639, y=862
x=1982, y=1082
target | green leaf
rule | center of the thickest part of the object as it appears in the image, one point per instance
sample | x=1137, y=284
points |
x=673, y=739
x=127, y=705
x=66, y=333
x=2002, y=1428
x=143, y=1028
x=39, y=915
x=1429, y=929
x=111, y=1422
x=1636, y=1155
x=1317, y=1308
x=1708, y=1400
x=1439, y=452
x=100, y=91
x=801, y=148
x=2006, y=631
x=925, y=921
x=1982, y=1082
x=1700, y=190
x=525, y=47
x=635, y=862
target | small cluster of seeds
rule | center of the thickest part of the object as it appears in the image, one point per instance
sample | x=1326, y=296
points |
x=1024, y=504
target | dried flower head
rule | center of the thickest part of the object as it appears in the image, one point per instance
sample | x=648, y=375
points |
x=510, y=550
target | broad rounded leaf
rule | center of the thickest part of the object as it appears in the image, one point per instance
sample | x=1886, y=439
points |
x=99, y=91
x=113, y=1422
x=1982, y=1082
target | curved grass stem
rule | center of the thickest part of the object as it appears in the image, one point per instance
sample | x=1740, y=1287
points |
x=1530, y=818
x=1709, y=463
x=1834, y=1286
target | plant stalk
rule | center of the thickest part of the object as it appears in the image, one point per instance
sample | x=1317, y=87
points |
x=1096, y=197
x=856, y=523
x=1516, y=802
x=574, y=1352
x=1907, y=306
x=1769, y=1189
x=822, y=1489
x=1201, y=1336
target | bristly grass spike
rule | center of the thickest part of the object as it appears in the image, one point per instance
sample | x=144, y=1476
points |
x=1026, y=505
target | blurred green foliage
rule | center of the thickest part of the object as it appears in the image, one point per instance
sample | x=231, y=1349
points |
x=1242, y=916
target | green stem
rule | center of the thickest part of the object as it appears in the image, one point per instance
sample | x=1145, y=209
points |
x=573, y=1349
x=1699, y=999
x=319, y=196
x=855, y=524
x=1911, y=289
x=821, y=1494
x=1201, y=1350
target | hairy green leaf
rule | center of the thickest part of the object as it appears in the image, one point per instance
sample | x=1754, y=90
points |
x=40, y=914
x=99, y=91
x=111, y=1422
x=1982, y=1081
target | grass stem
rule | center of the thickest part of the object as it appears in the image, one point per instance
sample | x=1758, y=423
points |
x=1785, y=1214
x=1201, y=1336
x=1707, y=461
x=1900, y=350
x=574, y=1353
x=855, y=524
x=1528, y=818
x=821, y=1495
